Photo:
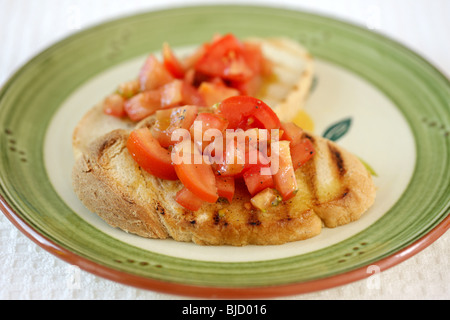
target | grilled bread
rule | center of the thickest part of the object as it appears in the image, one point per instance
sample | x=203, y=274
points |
x=334, y=189
x=286, y=91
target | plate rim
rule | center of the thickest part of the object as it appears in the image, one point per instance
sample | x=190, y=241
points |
x=213, y=291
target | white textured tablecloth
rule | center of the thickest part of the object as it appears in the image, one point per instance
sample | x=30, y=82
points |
x=28, y=26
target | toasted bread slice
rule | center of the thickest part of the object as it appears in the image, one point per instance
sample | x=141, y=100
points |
x=286, y=92
x=293, y=75
x=334, y=189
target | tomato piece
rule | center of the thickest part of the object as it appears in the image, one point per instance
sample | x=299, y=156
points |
x=284, y=176
x=292, y=133
x=114, y=105
x=239, y=109
x=143, y=105
x=191, y=96
x=250, y=87
x=197, y=177
x=171, y=94
x=254, y=58
x=223, y=58
x=214, y=92
x=255, y=181
x=209, y=121
x=204, y=122
x=169, y=120
x=302, y=152
x=153, y=74
x=226, y=187
x=149, y=154
x=255, y=159
x=188, y=200
x=171, y=62
x=129, y=89
x=233, y=160
x=266, y=199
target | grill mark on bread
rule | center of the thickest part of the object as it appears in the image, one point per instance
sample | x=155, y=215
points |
x=106, y=144
x=219, y=218
x=309, y=137
x=337, y=159
x=253, y=219
x=160, y=209
x=309, y=172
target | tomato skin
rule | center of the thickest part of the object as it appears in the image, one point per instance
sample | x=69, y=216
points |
x=114, y=105
x=223, y=58
x=213, y=92
x=204, y=122
x=153, y=74
x=171, y=94
x=191, y=96
x=292, y=133
x=239, y=108
x=210, y=121
x=149, y=154
x=188, y=200
x=129, y=89
x=302, y=152
x=284, y=178
x=171, y=63
x=255, y=181
x=143, y=105
x=233, y=160
x=198, y=178
x=248, y=87
x=226, y=187
x=169, y=120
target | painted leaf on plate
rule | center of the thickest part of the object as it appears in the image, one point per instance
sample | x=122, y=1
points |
x=338, y=130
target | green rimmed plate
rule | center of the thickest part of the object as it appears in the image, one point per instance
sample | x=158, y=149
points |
x=375, y=97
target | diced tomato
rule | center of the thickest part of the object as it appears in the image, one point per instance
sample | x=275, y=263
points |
x=114, y=105
x=204, y=122
x=255, y=181
x=198, y=178
x=188, y=200
x=225, y=187
x=149, y=154
x=237, y=110
x=209, y=121
x=143, y=105
x=223, y=58
x=233, y=161
x=254, y=58
x=179, y=92
x=129, y=89
x=291, y=132
x=153, y=74
x=171, y=62
x=255, y=159
x=302, y=152
x=266, y=199
x=169, y=120
x=171, y=94
x=214, y=92
x=284, y=176
x=248, y=87
x=191, y=96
